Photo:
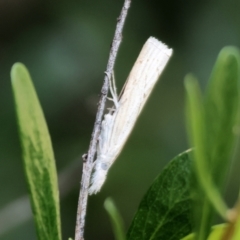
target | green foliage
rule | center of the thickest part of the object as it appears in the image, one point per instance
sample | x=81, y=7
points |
x=38, y=157
x=116, y=220
x=211, y=121
x=164, y=212
x=236, y=227
x=184, y=196
x=215, y=234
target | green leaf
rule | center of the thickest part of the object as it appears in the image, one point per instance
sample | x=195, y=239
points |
x=215, y=234
x=39, y=164
x=211, y=123
x=234, y=226
x=236, y=233
x=197, y=133
x=116, y=219
x=222, y=112
x=164, y=212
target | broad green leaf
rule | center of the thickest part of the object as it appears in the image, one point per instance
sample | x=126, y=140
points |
x=116, y=219
x=216, y=233
x=164, y=212
x=39, y=163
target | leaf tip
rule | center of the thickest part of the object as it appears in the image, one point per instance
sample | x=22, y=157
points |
x=229, y=54
x=17, y=70
x=189, y=81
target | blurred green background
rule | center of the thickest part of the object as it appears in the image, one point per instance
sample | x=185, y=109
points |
x=65, y=45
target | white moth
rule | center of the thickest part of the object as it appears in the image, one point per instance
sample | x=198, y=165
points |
x=119, y=122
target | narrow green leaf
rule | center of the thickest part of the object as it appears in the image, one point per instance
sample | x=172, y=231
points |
x=116, y=219
x=211, y=127
x=222, y=112
x=221, y=106
x=198, y=136
x=38, y=156
x=164, y=212
x=204, y=189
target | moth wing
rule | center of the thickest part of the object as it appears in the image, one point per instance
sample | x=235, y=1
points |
x=142, y=78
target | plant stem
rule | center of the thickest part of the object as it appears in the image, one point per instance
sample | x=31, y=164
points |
x=88, y=164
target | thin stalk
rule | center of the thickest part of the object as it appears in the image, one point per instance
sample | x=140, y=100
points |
x=88, y=163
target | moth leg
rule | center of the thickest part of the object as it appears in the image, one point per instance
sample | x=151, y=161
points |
x=114, y=86
x=105, y=134
x=113, y=89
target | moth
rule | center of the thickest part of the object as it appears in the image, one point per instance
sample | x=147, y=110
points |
x=120, y=120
